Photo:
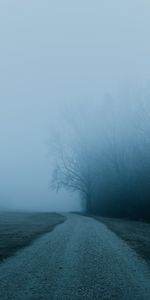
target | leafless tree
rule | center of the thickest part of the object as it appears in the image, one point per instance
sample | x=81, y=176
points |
x=72, y=170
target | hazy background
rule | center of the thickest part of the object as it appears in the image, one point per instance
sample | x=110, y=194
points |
x=55, y=53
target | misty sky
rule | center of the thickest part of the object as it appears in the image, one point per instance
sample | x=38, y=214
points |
x=53, y=53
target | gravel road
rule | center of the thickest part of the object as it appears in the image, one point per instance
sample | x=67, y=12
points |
x=80, y=259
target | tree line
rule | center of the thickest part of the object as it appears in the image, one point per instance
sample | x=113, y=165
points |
x=106, y=156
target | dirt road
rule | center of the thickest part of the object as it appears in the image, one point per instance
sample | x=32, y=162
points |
x=80, y=259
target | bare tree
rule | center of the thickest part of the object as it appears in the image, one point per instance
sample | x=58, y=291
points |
x=72, y=171
x=107, y=160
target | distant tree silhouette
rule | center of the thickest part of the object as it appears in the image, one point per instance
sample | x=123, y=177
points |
x=107, y=159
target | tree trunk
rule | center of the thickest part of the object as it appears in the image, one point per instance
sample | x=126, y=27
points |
x=88, y=204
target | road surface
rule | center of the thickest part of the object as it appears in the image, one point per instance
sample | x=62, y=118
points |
x=80, y=259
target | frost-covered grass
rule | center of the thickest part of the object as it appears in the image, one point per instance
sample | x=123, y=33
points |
x=19, y=229
x=136, y=234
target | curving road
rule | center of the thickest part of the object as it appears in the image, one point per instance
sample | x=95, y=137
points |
x=80, y=259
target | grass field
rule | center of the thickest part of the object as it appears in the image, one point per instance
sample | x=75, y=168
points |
x=19, y=229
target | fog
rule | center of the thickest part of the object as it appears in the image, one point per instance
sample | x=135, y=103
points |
x=59, y=58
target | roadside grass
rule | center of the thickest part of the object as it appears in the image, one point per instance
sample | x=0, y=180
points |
x=19, y=229
x=135, y=234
